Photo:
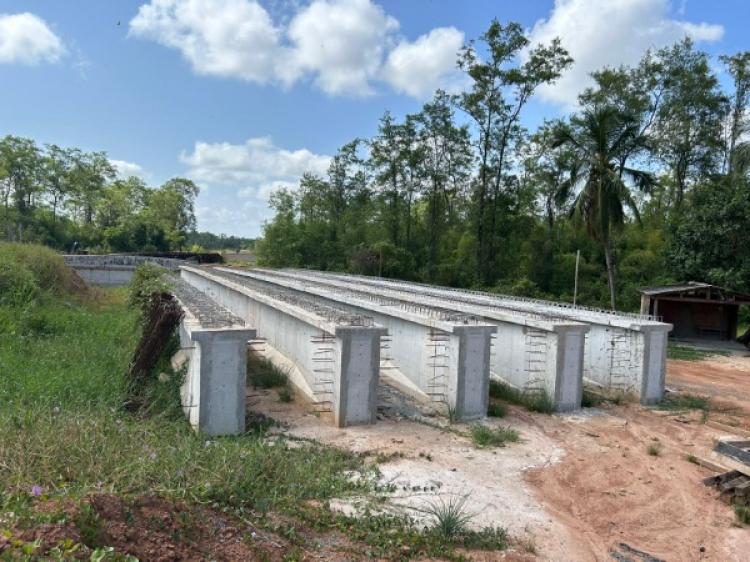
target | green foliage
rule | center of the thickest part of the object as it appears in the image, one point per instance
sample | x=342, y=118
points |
x=742, y=513
x=654, y=449
x=451, y=518
x=64, y=197
x=148, y=279
x=679, y=402
x=262, y=373
x=62, y=400
x=484, y=436
x=47, y=270
x=690, y=353
x=18, y=286
x=496, y=410
x=534, y=401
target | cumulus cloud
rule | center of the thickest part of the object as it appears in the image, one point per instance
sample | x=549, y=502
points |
x=610, y=33
x=418, y=68
x=126, y=169
x=27, y=39
x=341, y=45
x=242, y=178
x=220, y=37
x=342, y=42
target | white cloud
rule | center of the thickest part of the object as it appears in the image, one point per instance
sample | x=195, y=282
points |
x=126, y=169
x=418, y=68
x=258, y=160
x=242, y=177
x=220, y=37
x=342, y=42
x=341, y=45
x=27, y=39
x=599, y=33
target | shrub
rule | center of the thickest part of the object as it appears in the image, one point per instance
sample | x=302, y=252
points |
x=47, y=267
x=451, y=519
x=484, y=436
x=18, y=287
x=654, y=449
x=148, y=279
x=532, y=400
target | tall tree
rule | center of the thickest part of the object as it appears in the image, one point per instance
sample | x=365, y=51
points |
x=447, y=159
x=738, y=152
x=689, y=128
x=596, y=138
x=500, y=89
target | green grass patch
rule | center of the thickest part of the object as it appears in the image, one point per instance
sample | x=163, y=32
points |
x=536, y=401
x=262, y=373
x=483, y=436
x=654, y=449
x=685, y=353
x=681, y=402
x=742, y=513
x=496, y=410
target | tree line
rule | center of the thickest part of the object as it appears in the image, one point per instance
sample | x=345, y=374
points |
x=67, y=198
x=647, y=179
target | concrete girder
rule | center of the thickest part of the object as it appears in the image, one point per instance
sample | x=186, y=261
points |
x=336, y=365
x=623, y=352
x=436, y=354
x=530, y=352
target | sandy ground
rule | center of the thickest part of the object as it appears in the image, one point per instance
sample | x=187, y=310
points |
x=578, y=487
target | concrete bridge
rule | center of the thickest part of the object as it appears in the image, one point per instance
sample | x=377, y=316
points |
x=337, y=336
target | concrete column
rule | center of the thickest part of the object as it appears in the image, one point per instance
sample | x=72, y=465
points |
x=653, y=376
x=355, y=397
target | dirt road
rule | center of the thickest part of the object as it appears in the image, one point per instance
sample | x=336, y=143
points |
x=578, y=486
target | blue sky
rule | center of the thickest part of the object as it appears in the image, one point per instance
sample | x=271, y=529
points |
x=244, y=95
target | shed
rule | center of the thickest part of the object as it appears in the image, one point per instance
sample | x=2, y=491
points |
x=696, y=310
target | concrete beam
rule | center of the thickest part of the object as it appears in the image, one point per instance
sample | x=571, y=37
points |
x=113, y=270
x=436, y=354
x=623, y=352
x=531, y=352
x=332, y=357
x=214, y=342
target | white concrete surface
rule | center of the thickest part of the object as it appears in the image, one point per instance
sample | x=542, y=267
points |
x=336, y=366
x=623, y=352
x=530, y=352
x=445, y=360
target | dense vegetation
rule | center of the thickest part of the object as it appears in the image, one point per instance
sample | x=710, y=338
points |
x=647, y=179
x=64, y=197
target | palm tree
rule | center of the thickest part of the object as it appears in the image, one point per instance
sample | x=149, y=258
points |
x=598, y=138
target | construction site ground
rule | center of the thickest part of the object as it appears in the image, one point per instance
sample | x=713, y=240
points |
x=614, y=482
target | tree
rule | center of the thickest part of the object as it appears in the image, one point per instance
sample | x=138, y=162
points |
x=596, y=138
x=498, y=93
x=738, y=152
x=688, y=132
x=447, y=160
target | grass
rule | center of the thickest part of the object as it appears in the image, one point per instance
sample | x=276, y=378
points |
x=654, y=449
x=66, y=436
x=742, y=513
x=681, y=402
x=496, y=410
x=483, y=436
x=684, y=353
x=450, y=519
x=537, y=401
x=262, y=373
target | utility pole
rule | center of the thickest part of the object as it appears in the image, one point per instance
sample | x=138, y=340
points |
x=575, y=283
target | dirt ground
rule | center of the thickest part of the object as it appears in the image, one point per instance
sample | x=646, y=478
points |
x=577, y=487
